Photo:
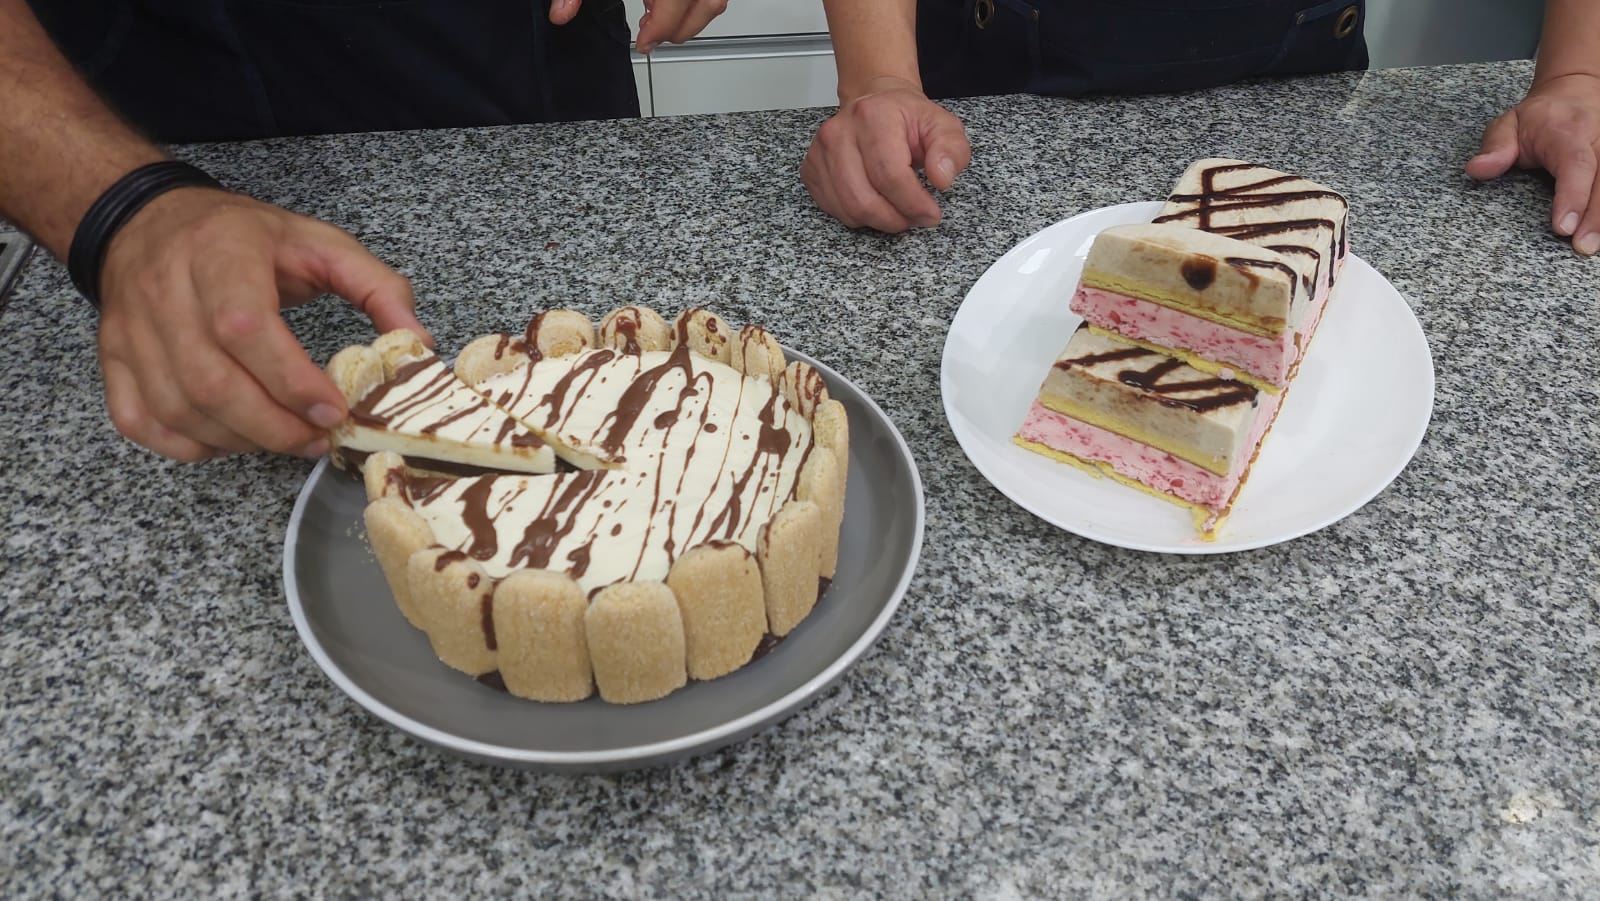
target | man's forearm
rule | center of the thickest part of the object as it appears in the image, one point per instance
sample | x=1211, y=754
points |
x=1570, y=42
x=60, y=146
x=874, y=41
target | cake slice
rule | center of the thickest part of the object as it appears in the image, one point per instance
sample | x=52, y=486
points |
x=1232, y=277
x=1151, y=421
x=404, y=399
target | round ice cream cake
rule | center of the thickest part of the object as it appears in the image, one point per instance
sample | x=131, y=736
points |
x=617, y=508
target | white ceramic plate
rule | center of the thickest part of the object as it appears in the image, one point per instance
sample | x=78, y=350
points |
x=1356, y=413
x=344, y=613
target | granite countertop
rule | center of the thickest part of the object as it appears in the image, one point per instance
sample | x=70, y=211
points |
x=1403, y=702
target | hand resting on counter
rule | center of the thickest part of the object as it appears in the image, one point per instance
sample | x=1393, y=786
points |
x=1556, y=128
x=862, y=165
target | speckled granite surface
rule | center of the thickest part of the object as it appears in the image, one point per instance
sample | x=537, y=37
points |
x=1406, y=702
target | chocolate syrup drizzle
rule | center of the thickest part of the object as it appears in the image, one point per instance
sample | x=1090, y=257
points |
x=679, y=398
x=1213, y=393
x=1209, y=211
x=405, y=403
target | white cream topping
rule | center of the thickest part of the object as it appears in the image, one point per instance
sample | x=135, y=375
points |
x=700, y=455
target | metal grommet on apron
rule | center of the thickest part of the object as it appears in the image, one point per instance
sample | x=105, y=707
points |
x=983, y=13
x=1347, y=22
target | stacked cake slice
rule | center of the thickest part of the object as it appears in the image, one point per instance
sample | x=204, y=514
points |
x=1194, y=325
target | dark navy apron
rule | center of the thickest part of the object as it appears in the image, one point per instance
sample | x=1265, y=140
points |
x=200, y=70
x=1077, y=47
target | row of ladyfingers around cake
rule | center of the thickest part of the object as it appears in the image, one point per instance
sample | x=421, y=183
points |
x=637, y=639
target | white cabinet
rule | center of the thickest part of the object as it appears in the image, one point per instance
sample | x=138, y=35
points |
x=758, y=55
x=1436, y=32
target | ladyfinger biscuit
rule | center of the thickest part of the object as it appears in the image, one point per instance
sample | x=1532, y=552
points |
x=718, y=586
x=396, y=532
x=635, y=634
x=560, y=333
x=757, y=354
x=538, y=624
x=489, y=356
x=830, y=427
x=634, y=330
x=789, y=557
x=803, y=388
x=383, y=475
x=356, y=370
x=822, y=483
x=398, y=348
x=455, y=602
x=705, y=333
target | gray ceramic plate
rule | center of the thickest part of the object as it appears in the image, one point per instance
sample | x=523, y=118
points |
x=346, y=617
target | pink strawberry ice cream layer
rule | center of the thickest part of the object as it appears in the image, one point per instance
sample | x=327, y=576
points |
x=1271, y=359
x=1143, y=463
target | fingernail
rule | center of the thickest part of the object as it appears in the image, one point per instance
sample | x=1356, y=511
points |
x=946, y=168
x=1569, y=224
x=926, y=221
x=315, y=449
x=325, y=415
x=1587, y=245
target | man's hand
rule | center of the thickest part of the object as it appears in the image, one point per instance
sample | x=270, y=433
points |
x=671, y=21
x=197, y=359
x=1557, y=128
x=862, y=165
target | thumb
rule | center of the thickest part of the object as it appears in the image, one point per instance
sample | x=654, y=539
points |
x=946, y=152
x=562, y=11
x=1500, y=148
x=341, y=265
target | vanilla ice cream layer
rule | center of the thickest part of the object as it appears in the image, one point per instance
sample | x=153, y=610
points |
x=1153, y=398
x=1285, y=213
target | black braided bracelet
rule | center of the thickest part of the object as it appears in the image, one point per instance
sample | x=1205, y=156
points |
x=112, y=211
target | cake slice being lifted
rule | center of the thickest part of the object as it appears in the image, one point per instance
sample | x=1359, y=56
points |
x=1150, y=421
x=404, y=399
x=1232, y=277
